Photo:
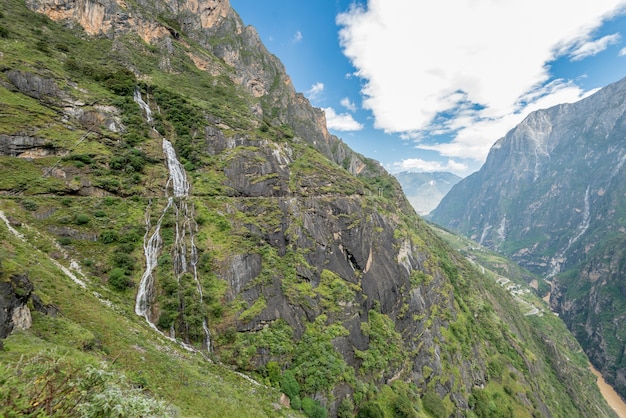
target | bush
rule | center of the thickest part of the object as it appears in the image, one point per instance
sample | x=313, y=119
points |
x=370, y=410
x=433, y=404
x=118, y=279
x=403, y=408
x=313, y=408
x=100, y=214
x=345, y=409
x=82, y=219
x=4, y=33
x=48, y=384
x=30, y=205
x=124, y=261
x=290, y=386
x=108, y=237
x=64, y=240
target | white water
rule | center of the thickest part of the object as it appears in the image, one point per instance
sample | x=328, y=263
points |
x=144, y=106
x=185, y=251
x=151, y=248
x=185, y=256
x=178, y=179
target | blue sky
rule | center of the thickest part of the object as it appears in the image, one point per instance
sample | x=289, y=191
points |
x=430, y=86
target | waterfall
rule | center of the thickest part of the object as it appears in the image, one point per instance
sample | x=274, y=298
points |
x=144, y=106
x=151, y=249
x=185, y=254
x=185, y=251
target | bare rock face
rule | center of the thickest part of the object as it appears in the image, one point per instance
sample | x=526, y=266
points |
x=14, y=313
x=35, y=86
x=23, y=145
x=109, y=17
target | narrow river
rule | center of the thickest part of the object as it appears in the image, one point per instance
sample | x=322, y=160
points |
x=612, y=398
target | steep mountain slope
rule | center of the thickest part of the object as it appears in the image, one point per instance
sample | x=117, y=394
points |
x=425, y=190
x=170, y=204
x=551, y=196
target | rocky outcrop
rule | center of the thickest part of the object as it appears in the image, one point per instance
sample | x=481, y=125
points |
x=14, y=312
x=35, y=86
x=24, y=146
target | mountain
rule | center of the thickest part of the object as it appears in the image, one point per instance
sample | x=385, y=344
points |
x=180, y=235
x=551, y=195
x=425, y=190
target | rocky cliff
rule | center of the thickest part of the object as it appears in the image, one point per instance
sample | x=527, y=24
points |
x=551, y=196
x=158, y=157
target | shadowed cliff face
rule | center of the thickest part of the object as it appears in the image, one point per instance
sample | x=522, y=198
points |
x=551, y=196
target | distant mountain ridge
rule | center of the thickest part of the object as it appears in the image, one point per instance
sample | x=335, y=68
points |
x=425, y=190
x=551, y=195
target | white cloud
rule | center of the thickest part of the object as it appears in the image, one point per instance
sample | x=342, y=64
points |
x=482, y=63
x=419, y=165
x=622, y=52
x=297, y=37
x=474, y=140
x=348, y=104
x=341, y=122
x=315, y=91
x=590, y=48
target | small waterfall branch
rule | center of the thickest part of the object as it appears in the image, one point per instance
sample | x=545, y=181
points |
x=184, y=252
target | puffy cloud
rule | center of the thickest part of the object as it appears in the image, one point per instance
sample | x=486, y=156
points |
x=471, y=70
x=341, y=122
x=622, y=52
x=297, y=37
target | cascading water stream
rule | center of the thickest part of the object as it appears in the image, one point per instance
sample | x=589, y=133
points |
x=144, y=106
x=185, y=251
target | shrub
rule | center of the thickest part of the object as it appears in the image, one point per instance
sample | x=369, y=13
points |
x=4, y=33
x=370, y=410
x=64, y=240
x=313, y=408
x=273, y=372
x=100, y=214
x=108, y=237
x=48, y=384
x=403, y=408
x=82, y=219
x=289, y=385
x=433, y=404
x=124, y=260
x=345, y=409
x=118, y=279
x=30, y=205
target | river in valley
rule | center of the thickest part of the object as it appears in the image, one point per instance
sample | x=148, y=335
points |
x=612, y=398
